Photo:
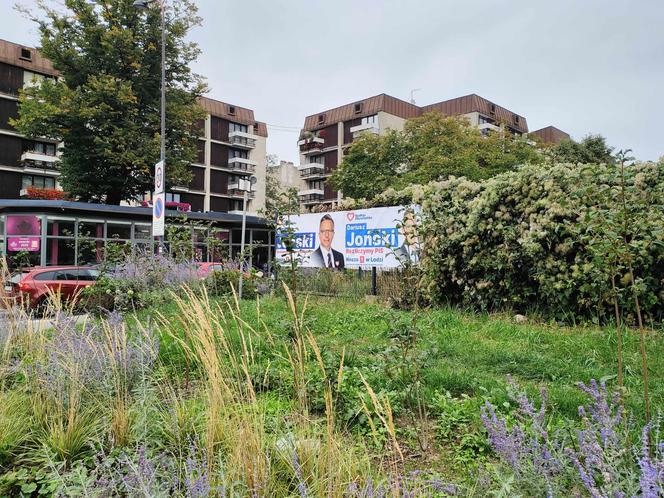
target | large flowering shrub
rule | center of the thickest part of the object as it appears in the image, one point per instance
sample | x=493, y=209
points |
x=546, y=237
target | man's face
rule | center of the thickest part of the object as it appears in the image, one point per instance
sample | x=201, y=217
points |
x=326, y=233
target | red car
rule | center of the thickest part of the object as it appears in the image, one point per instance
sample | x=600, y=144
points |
x=204, y=269
x=33, y=285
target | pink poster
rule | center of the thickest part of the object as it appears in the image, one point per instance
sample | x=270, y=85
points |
x=23, y=225
x=29, y=244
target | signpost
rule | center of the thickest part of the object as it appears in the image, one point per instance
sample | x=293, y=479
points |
x=158, y=214
x=159, y=177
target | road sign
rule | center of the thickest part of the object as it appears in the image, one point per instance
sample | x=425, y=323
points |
x=158, y=214
x=159, y=177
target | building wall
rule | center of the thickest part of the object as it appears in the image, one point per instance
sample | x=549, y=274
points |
x=388, y=121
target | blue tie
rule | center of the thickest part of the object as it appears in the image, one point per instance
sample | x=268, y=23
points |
x=329, y=260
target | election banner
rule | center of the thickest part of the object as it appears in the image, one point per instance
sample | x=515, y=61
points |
x=352, y=239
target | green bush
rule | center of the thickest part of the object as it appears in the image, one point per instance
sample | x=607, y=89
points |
x=223, y=282
x=547, y=238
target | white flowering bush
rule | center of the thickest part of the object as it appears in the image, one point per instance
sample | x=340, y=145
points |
x=546, y=237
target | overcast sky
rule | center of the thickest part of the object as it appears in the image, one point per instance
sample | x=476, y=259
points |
x=584, y=66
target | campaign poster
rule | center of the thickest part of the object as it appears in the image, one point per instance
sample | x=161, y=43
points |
x=351, y=239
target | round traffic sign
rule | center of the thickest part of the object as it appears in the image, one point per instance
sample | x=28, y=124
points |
x=158, y=207
x=158, y=176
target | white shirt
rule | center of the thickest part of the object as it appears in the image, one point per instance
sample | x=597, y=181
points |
x=325, y=252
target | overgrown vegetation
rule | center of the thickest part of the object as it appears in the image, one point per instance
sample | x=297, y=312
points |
x=562, y=239
x=214, y=397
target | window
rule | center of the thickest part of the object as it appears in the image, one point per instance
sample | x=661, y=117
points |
x=237, y=153
x=231, y=110
x=492, y=108
x=66, y=275
x=317, y=159
x=26, y=54
x=358, y=108
x=37, y=181
x=516, y=118
x=370, y=119
x=47, y=275
x=321, y=118
x=237, y=127
x=484, y=120
x=170, y=197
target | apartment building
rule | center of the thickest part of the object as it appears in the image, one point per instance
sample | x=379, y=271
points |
x=326, y=134
x=23, y=163
x=231, y=151
x=231, y=159
x=549, y=135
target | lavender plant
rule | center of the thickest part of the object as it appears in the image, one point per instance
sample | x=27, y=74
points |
x=601, y=458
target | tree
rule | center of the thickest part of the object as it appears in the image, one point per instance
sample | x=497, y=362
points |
x=105, y=108
x=371, y=165
x=431, y=147
x=591, y=150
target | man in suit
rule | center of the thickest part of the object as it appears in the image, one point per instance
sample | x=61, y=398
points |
x=325, y=256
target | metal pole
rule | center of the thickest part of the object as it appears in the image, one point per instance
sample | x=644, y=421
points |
x=162, y=152
x=244, y=225
x=374, y=281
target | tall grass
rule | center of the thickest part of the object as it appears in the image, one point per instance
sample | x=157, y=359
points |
x=310, y=452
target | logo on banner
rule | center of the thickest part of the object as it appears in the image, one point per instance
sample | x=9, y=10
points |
x=350, y=215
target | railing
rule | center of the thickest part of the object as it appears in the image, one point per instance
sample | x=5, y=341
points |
x=236, y=192
x=311, y=198
x=242, y=139
x=312, y=170
x=241, y=167
x=311, y=147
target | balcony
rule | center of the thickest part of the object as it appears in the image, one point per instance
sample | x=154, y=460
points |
x=311, y=195
x=311, y=170
x=311, y=198
x=235, y=191
x=313, y=145
x=241, y=165
x=365, y=128
x=486, y=128
x=242, y=140
x=39, y=161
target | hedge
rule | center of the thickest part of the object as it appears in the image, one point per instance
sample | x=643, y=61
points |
x=547, y=238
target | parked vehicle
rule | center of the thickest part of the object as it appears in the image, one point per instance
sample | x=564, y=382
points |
x=33, y=285
x=204, y=269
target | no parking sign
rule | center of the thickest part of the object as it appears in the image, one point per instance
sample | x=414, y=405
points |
x=158, y=215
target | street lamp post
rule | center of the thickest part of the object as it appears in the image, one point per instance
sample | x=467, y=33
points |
x=143, y=5
x=248, y=188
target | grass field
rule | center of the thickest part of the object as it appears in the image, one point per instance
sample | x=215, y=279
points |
x=473, y=354
x=216, y=397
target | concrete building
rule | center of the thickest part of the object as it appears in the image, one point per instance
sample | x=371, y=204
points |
x=24, y=163
x=231, y=155
x=286, y=175
x=325, y=134
x=231, y=152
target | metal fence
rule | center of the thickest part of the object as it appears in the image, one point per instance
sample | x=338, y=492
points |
x=349, y=284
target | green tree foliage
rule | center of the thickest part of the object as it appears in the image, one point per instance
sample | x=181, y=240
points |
x=431, y=147
x=106, y=105
x=591, y=150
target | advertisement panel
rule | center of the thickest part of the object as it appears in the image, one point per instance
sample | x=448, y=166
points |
x=351, y=239
x=23, y=233
x=23, y=225
x=29, y=244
